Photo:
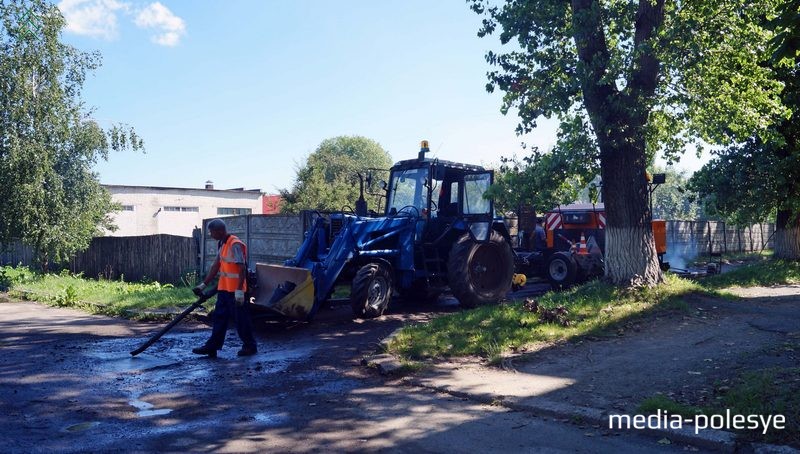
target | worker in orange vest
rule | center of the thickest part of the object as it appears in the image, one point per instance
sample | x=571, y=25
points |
x=231, y=266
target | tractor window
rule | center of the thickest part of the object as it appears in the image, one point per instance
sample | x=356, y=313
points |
x=408, y=189
x=475, y=186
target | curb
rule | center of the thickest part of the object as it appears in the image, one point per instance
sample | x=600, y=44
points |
x=383, y=345
x=385, y=363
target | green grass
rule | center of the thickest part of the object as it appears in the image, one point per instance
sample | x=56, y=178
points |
x=762, y=273
x=774, y=391
x=661, y=402
x=490, y=331
x=766, y=392
x=592, y=308
x=116, y=298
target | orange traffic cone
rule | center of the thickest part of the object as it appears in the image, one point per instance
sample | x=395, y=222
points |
x=582, y=249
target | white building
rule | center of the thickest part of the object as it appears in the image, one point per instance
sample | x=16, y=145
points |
x=150, y=210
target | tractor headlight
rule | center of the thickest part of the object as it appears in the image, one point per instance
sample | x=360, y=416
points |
x=479, y=231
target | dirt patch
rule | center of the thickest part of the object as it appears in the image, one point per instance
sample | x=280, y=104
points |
x=678, y=355
x=686, y=356
x=777, y=291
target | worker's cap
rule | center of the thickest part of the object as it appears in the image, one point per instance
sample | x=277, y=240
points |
x=216, y=224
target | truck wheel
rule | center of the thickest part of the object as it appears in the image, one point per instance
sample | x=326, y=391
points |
x=480, y=273
x=371, y=291
x=561, y=270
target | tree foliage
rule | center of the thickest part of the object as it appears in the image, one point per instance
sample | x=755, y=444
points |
x=739, y=184
x=541, y=181
x=328, y=181
x=786, y=43
x=48, y=143
x=673, y=200
x=760, y=177
x=705, y=56
x=638, y=77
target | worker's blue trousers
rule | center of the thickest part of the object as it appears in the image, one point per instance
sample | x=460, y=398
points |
x=225, y=309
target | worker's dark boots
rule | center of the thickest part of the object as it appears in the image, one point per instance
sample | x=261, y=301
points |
x=247, y=351
x=205, y=350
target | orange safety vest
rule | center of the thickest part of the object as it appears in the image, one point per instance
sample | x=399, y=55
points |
x=228, y=268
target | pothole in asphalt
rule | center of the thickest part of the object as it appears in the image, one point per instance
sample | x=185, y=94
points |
x=80, y=427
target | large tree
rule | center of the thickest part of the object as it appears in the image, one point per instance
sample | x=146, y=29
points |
x=329, y=179
x=642, y=76
x=51, y=199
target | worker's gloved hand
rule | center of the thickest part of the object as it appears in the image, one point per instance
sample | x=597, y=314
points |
x=239, y=296
x=198, y=290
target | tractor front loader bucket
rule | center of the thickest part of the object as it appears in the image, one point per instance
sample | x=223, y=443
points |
x=286, y=290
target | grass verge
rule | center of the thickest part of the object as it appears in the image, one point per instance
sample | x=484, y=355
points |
x=661, y=402
x=762, y=273
x=773, y=391
x=116, y=298
x=489, y=331
x=589, y=309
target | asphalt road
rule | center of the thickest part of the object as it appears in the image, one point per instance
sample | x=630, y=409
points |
x=69, y=385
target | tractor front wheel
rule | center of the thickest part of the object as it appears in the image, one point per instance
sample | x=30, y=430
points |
x=371, y=290
x=480, y=273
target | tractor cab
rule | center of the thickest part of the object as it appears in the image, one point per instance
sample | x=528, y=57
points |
x=442, y=195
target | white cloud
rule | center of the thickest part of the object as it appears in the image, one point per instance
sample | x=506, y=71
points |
x=170, y=28
x=98, y=19
x=95, y=18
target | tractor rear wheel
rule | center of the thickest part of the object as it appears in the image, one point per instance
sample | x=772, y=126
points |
x=371, y=290
x=561, y=269
x=480, y=273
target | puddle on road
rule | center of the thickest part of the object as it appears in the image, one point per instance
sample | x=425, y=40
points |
x=80, y=427
x=114, y=364
x=114, y=354
x=169, y=367
x=146, y=409
x=270, y=419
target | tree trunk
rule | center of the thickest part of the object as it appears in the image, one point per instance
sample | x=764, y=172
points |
x=787, y=236
x=630, y=256
x=618, y=118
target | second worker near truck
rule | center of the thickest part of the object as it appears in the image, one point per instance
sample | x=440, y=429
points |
x=231, y=266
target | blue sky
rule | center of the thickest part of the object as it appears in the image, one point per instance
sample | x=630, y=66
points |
x=240, y=92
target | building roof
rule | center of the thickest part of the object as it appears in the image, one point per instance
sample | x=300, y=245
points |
x=168, y=188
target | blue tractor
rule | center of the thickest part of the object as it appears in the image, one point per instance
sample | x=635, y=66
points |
x=437, y=232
